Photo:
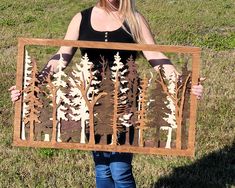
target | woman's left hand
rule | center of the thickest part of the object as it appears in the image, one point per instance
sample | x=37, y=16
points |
x=198, y=91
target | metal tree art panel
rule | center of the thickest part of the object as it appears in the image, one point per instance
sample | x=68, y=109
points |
x=106, y=104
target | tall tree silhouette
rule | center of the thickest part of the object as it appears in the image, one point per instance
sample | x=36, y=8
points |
x=84, y=79
x=84, y=82
x=61, y=98
x=142, y=117
x=27, y=78
x=184, y=75
x=157, y=111
x=119, y=96
x=104, y=109
x=178, y=97
x=133, y=84
x=53, y=90
x=32, y=101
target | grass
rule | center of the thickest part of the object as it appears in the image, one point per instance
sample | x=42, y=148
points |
x=207, y=24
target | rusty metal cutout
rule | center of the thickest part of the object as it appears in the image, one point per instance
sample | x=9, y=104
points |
x=119, y=111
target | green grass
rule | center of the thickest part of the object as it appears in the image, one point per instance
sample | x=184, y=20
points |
x=207, y=24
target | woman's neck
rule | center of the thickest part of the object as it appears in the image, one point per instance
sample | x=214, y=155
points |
x=111, y=6
x=113, y=16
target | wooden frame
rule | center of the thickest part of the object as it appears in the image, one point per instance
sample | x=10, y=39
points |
x=178, y=151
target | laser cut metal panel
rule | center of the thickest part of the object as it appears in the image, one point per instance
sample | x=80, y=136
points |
x=106, y=105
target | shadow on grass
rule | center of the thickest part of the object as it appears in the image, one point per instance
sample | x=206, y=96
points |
x=217, y=169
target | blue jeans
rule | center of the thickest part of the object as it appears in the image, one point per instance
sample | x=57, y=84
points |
x=113, y=170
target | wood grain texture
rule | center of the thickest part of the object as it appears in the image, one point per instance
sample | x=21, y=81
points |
x=193, y=101
x=110, y=45
x=19, y=81
x=97, y=147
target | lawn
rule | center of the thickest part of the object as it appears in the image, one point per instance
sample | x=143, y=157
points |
x=207, y=24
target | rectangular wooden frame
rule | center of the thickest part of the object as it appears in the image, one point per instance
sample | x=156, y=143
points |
x=194, y=51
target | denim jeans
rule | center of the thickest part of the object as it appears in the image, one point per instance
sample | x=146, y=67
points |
x=113, y=170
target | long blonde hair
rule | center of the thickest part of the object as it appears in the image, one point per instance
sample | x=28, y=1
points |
x=128, y=10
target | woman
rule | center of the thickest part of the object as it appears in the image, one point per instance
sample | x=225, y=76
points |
x=111, y=21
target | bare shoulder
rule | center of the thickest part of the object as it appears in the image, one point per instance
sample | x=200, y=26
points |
x=77, y=18
x=145, y=29
x=74, y=27
x=142, y=19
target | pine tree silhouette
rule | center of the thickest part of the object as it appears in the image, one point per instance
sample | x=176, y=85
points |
x=32, y=101
x=178, y=97
x=119, y=100
x=133, y=84
x=53, y=90
x=157, y=111
x=85, y=80
x=142, y=117
x=104, y=109
x=79, y=109
x=61, y=97
x=27, y=78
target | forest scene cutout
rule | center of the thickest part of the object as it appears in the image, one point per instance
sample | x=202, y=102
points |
x=106, y=104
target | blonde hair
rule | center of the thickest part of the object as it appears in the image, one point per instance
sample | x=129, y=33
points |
x=128, y=10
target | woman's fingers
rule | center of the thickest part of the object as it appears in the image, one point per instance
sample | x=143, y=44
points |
x=197, y=90
x=12, y=88
x=14, y=98
x=15, y=94
x=201, y=80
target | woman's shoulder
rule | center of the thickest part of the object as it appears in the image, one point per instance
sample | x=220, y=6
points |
x=85, y=12
x=82, y=13
x=141, y=17
x=87, y=9
x=79, y=14
x=142, y=21
x=76, y=18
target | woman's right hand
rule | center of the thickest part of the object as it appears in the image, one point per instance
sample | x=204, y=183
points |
x=15, y=94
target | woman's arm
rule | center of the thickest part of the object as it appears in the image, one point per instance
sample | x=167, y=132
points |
x=155, y=58
x=67, y=51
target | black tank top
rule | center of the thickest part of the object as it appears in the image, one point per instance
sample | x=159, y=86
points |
x=105, y=109
x=89, y=34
